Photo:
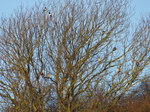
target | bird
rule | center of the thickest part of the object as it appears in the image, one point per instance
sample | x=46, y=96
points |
x=99, y=59
x=48, y=75
x=42, y=74
x=68, y=57
x=136, y=63
x=118, y=70
x=50, y=15
x=7, y=41
x=114, y=48
x=103, y=32
x=44, y=9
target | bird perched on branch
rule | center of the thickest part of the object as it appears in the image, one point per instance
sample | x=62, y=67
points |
x=103, y=32
x=48, y=75
x=99, y=59
x=118, y=70
x=45, y=9
x=50, y=15
x=136, y=63
x=114, y=48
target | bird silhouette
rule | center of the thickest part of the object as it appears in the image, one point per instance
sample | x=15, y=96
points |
x=50, y=15
x=44, y=10
x=136, y=63
x=114, y=48
x=103, y=32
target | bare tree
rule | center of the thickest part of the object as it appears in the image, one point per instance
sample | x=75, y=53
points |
x=22, y=59
x=61, y=56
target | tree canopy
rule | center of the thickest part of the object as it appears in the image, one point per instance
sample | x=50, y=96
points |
x=71, y=56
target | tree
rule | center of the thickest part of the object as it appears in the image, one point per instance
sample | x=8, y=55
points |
x=63, y=55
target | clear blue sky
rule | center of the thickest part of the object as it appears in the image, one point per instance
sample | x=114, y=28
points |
x=7, y=6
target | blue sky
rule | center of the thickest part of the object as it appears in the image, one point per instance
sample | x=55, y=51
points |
x=7, y=6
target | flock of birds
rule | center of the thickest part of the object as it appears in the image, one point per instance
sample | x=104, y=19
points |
x=99, y=59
